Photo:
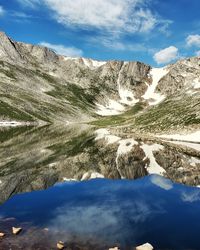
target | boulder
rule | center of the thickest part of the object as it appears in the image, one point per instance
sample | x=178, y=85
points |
x=16, y=230
x=145, y=246
x=60, y=245
x=2, y=235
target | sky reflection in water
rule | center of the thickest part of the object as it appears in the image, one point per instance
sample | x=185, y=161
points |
x=152, y=209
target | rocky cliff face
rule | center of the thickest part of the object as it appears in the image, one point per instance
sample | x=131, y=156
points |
x=40, y=85
x=182, y=77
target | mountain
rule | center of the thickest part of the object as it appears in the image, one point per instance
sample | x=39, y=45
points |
x=38, y=85
x=92, y=119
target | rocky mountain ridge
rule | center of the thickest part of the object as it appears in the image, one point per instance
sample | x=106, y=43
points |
x=39, y=85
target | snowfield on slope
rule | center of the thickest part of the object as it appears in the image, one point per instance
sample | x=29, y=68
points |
x=111, y=108
x=193, y=137
x=195, y=146
x=103, y=133
x=12, y=123
x=153, y=97
x=126, y=97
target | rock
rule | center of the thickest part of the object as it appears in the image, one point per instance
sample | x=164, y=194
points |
x=2, y=235
x=60, y=245
x=114, y=248
x=145, y=246
x=16, y=230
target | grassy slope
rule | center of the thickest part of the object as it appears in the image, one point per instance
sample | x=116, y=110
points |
x=173, y=113
x=21, y=103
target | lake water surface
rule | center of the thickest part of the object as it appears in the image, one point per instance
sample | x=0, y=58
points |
x=98, y=213
x=101, y=213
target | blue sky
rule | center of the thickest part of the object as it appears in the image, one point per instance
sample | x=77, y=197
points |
x=153, y=31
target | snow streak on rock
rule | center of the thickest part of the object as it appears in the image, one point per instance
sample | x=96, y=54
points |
x=151, y=95
x=93, y=175
x=153, y=167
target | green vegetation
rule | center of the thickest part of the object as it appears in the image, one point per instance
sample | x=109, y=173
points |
x=74, y=146
x=8, y=111
x=75, y=95
x=121, y=119
x=170, y=113
x=9, y=73
x=45, y=76
x=7, y=134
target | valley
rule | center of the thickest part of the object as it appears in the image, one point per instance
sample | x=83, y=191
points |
x=66, y=118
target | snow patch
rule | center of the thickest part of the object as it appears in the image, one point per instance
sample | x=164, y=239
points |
x=111, y=108
x=193, y=161
x=87, y=61
x=101, y=133
x=193, y=137
x=157, y=74
x=153, y=167
x=105, y=134
x=127, y=97
x=53, y=164
x=196, y=84
x=51, y=73
x=93, y=63
x=12, y=123
x=194, y=146
x=69, y=179
x=66, y=58
x=94, y=175
x=125, y=146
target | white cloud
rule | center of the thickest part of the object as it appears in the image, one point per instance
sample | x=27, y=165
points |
x=2, y=11
x=166, y=55
x=115, y=43
x=193, y=40
x=107, y=221
x=115, y=15
x=62, y=50
x=198, y=53
x=110, y=15
x=29, y=3
x=161, y=182
x=18, y=14
x=191, y=196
